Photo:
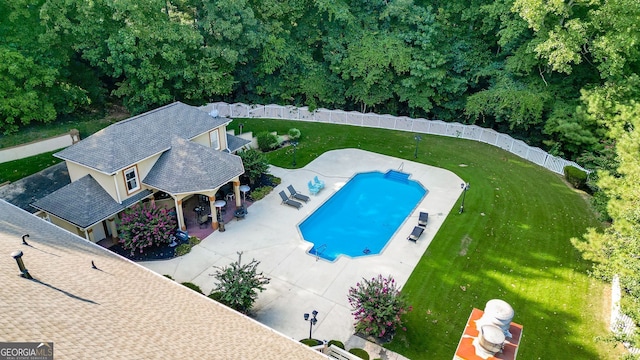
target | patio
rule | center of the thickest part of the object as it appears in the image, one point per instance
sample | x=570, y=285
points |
x=204, y=230
x=299, y=282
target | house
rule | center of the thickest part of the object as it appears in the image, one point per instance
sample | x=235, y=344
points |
x=169, y=154
x=94, y=304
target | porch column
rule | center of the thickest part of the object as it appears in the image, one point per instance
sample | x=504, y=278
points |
x=236, y=191
x=180, y=215
x=214, y=212
x=112, y=226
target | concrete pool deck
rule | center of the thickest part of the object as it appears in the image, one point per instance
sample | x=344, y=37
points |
x=299, y=282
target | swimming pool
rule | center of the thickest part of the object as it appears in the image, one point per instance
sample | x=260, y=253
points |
x=360, y=218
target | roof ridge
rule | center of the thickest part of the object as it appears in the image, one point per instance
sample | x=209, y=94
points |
x=147, y=113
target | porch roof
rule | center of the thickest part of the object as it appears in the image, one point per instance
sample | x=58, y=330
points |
x=189, y=167
x=84, y=202
x=235, y=143
x=137, y=138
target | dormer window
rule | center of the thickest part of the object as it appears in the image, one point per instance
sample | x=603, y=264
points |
x=131, y=178
x=215, y=141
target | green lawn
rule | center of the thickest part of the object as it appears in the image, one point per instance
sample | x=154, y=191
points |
x=512, y=243
x=17, y=169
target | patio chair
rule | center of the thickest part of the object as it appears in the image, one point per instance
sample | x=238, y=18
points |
x=319, y=183
x=203, y=219
x=416, y=233
x=296, y=194
x=287, y=201
x=313, y=189
x=422, y=219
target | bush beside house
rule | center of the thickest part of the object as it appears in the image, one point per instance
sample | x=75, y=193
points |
x=145, y=225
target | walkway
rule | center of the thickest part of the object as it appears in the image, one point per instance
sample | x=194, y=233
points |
x=299, y=283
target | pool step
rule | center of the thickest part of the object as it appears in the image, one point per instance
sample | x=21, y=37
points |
x=397, y=175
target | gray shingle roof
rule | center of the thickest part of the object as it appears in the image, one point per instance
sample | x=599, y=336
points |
x=235, y=143
x=84, y=202
x=129, y=141
x=118, y=311
x=190, y=167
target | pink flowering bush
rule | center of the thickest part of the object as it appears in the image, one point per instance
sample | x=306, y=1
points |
x=377, y=306
x=144, y=225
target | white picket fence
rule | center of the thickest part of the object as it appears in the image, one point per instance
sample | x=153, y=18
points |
x=621, y=323
x=423, y=126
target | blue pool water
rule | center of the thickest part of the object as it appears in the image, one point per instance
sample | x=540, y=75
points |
x=360, y=218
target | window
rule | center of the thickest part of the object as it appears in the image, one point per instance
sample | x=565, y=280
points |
x=213, y=137
x=131, y=178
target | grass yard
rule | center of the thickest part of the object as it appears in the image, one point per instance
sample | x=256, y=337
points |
x=18, y=169
x=512, y=243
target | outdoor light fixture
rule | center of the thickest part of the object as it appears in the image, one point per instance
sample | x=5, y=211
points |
x=418, y=138
x=244, y=189
x=312, y=321
x=295, y=145
x=464, y=187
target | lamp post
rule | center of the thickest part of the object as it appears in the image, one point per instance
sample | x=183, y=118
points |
x=295, y=146
x=418, y=138
x=464, y=187
x=244, y=189
x=312, y=320
x=240, y=126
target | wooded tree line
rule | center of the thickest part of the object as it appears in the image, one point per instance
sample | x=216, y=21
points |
x=558, y=74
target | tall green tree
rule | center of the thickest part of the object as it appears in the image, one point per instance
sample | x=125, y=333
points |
x=36, y=81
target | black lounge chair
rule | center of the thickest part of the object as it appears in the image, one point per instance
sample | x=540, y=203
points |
x=422, y=219
x=416, y=233
x=286, y=200
x=296, y=194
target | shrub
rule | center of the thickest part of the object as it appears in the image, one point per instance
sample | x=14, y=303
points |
x=267, y=141
x=168, y=276
x=182, y=249
x=261, y=192
x=576, y=177
x=194, y=240
x=377, y=306
x=192, y=286
x=144, y=225
x=361, y=353
x=294, y=134
x=311, y=342
x=274, y=180
x=336, y=343
x=238, y=284
x=255, y=164
x=215, y=295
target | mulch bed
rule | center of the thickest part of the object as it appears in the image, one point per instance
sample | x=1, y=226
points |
x=151, y=253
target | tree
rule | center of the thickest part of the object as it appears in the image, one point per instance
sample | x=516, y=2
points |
x=238, y=284
x=377, y=306
x=255, y=164
x=145, y=225
x=616, y=249
x=36, y=79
